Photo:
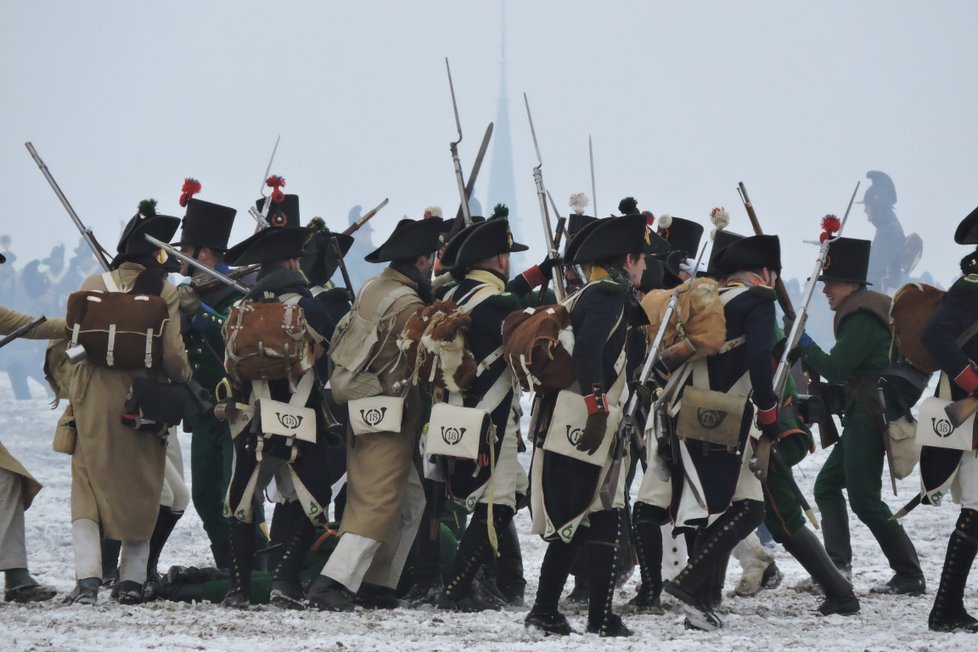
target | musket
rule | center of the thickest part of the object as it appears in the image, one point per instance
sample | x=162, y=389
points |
x=463, y=198
x=261, y=218
x=555, y=274
x=476, y=167
x=86, y=232
x=783, y=299
x=335, y=244
x=196, y=264
x=561, y=230
x=577, y=268
x=594, y=192
x=366, y=218
x=23, y=330
x=235, y=275
x=761, y=459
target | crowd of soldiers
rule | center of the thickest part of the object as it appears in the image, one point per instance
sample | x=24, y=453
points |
x=436, y=350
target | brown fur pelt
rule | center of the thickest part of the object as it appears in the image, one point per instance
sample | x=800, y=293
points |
x=435, y=342
x=913, y=306
x=697, y=319
x=537, y=344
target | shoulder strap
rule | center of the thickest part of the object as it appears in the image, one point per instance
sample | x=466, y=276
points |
x=110, y=284
x=966, y=336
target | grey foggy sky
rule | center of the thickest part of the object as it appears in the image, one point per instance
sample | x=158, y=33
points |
x=798, y=100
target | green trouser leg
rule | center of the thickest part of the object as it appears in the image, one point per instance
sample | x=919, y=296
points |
x=856, y=465
x=783, y=513
x=211, y=455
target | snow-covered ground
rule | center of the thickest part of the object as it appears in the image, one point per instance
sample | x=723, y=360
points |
x=775, y=620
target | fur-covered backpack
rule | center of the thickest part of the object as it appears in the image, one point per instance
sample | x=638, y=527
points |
x=435, y=342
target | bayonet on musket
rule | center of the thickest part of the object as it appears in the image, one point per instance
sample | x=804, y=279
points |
x=556, y=274
x=196, y=264
x=86, y=233
x=454, y=148
x=261, y=218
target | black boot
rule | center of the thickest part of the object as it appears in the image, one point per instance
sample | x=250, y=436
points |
x=647, y=539
x=19, y=586
x=166, y=520
x=948, y=613
x=297, y=537
x=426, y=552
x=713, y=596
x=473, y=551
x=625, y=560
x=908, y=579
x=110, y=562
x=222, y=555
x=835, y=534
x=85, y=592
x=242, y=562
x=807, y=549
x=556, y=566
x=601, y=551
x=509, y=566
x=326, y=594
x=694, y=583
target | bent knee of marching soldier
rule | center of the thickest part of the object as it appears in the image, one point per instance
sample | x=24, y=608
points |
x=605, y=526
x=869, y=509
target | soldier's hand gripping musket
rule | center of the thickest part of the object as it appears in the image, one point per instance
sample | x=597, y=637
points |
x=832, y=229
x=86, y=233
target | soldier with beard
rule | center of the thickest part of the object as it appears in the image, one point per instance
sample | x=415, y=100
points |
x=576, y=498
x=385, y=498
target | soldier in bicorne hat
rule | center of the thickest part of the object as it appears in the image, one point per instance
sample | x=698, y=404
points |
x=576, y=499
x=860, y=353
x=117, y=474
x=951, y=340
x=385, y=498
x=299, y=466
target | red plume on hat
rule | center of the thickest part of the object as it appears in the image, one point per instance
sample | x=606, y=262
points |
x=830, y=226
x=190, y=188
x=276, y=183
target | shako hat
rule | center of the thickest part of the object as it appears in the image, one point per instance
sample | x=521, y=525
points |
x=269, y=245
x=410, y=239
x=749, y=253
x=281, y=213
x=610, y=238
x=881, y=191
x=682, y=235
x=319, y=261
x=206, y=224
x=847, y=261
x=133, y=243
x=481, y=241
x=967, y=231
x=653, y=278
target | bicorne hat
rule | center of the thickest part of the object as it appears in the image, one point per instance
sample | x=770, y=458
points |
x=410, y=239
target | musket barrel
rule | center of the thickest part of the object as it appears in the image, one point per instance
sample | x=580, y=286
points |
x=196, y=264
x=353, y=228
x=86, y=233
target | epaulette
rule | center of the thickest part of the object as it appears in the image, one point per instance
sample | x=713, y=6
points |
x=968, y=282
x=763, y=292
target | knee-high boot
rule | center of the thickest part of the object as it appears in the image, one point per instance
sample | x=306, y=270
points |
x=297, y=535
x=647, y=539
x=242, y=563
x=166, y=520
x=804, y=546
x=601, y=550
x=948, y=613
x=556, y=567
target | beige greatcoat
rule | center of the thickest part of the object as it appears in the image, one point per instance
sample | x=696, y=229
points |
x=11, y=320
x=378, y=464
x=117, y=472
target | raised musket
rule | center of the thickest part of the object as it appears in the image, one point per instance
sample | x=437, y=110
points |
x=196, y=264
x=86, y=232
x=353, y=228
x=555, y=274
x=261, y=218
x=466, y=217
x=334, y=243
x=759, y=463
x=594, y=190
